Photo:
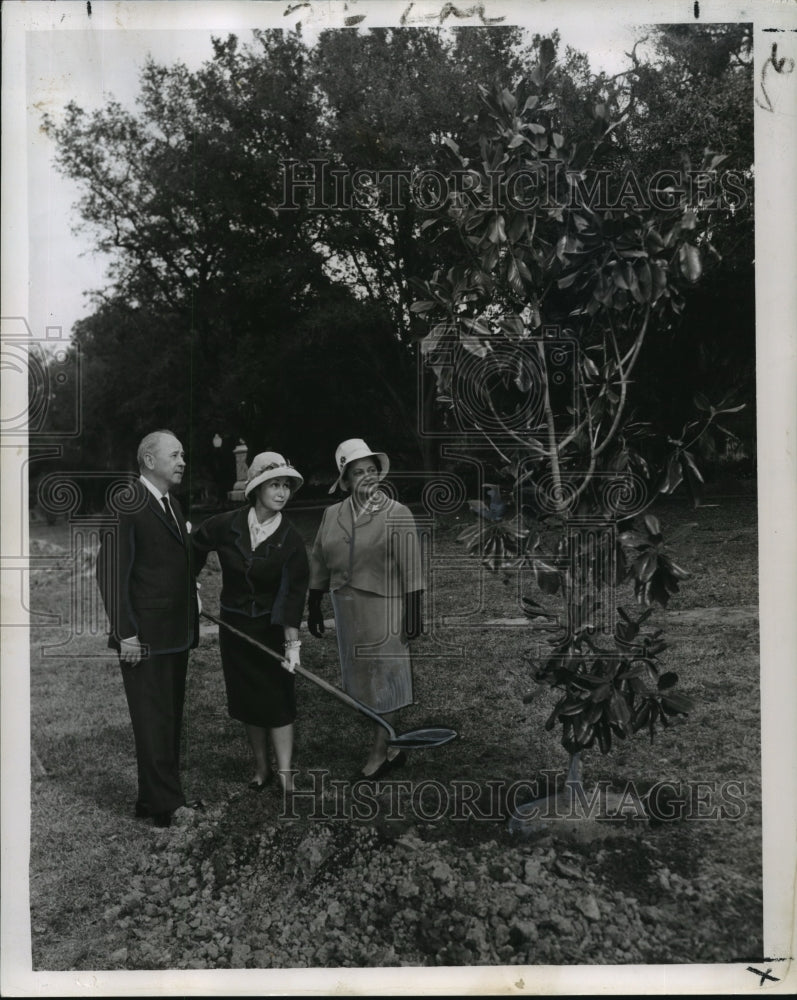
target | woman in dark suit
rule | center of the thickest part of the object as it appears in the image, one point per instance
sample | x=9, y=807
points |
x=264, y=583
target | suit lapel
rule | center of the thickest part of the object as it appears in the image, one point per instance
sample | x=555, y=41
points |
x=345, y=518
x=369, y=514
x=240, y=530
x=178, y=513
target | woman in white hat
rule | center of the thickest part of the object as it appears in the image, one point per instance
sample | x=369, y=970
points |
x=264, y=585
x=366, y=554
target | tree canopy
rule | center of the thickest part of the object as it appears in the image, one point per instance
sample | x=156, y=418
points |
x=291, y=326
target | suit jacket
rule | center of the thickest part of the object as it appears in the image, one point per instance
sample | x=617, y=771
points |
x=271, y=579
x=379, y=552
x=144, y=576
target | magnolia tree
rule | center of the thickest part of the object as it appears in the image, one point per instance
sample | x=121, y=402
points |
x=560, y=272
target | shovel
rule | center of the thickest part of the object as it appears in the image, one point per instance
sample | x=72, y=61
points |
x=416, y=739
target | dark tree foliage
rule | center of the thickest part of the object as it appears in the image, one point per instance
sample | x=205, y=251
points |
x=694, y=95
x=232, y=315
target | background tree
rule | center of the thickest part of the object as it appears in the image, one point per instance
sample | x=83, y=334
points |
x=695, y=94
x=184, y=195
x=386, y=92
x=240, y=305
x=205, y=273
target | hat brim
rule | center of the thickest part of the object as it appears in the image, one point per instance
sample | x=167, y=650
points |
x=384, y=468
x=264, y=477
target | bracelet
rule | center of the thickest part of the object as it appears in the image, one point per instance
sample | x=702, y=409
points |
x=293, y=643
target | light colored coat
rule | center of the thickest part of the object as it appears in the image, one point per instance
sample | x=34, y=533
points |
x=379, y=552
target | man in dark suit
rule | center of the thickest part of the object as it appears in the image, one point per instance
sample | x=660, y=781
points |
x=149, y=593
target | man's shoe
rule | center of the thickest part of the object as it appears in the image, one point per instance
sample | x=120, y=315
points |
x=162, y=819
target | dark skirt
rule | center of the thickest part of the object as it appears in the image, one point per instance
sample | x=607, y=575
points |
x=260, y=692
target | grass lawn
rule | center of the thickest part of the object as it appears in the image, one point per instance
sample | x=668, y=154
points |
x=88, y=853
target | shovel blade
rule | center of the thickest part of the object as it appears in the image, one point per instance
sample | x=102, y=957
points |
x=420, y=739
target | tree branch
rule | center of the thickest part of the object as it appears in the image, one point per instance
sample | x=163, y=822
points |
x=624, y=373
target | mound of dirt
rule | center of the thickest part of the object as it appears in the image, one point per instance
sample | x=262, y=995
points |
x=300, y=894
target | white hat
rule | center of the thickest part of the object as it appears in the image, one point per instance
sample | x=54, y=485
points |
x=270, y=465
x=350, y=451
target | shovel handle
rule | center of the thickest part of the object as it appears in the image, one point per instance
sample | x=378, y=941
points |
x=329, y=688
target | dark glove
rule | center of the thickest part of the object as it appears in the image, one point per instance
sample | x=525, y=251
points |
x=315, y=619
x=413, y=625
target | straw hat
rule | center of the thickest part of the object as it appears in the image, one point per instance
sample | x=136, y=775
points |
x=270, y=465
x=350, y=451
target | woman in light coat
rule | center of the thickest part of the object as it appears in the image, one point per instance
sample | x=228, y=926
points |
x=367, y=555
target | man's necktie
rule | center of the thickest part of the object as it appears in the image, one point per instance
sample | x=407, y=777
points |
x=169, y=512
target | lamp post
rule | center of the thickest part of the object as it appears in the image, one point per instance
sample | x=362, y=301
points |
x=236, y=494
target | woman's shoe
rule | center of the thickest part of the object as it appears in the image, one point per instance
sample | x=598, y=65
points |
x=387, y=765
x=282, y=787
x=359, y=776
x=258, y=786
x=373, y=776
x=391, y=763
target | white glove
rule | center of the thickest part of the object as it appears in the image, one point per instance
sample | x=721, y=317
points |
x=292, y=658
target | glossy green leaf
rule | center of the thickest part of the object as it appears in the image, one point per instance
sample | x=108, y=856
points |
x=688, y=460
x=678, y=704
x=513, y=277
x=474, y=346
x=567, y=280
x=508, y=100
x=645, y=280
x=652, y=524
x=689, y=258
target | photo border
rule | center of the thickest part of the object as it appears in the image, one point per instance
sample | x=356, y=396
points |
x=775, y=24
